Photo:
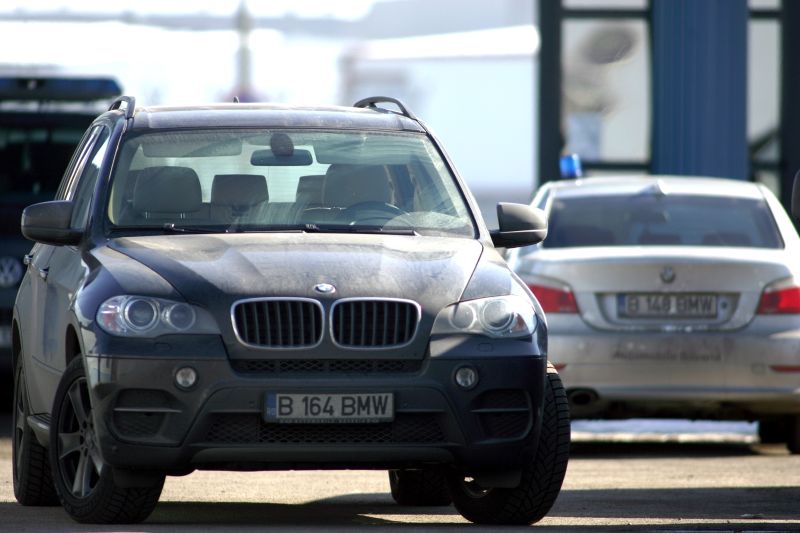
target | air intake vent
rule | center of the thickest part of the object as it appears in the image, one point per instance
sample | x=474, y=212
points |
x=374, y=323
x=278, y=323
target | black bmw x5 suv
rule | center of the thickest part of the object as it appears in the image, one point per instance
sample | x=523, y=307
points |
x=272, y=287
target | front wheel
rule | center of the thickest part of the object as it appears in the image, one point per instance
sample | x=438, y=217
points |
x=541, y=479
x=85, y=484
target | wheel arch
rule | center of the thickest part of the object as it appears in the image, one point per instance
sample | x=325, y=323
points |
x=16, y=344
x=72, y=345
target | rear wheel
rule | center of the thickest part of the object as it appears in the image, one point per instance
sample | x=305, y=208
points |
x=33, y=484
x=772, y=430
x=541, y=478
x=85, y=484
x=423, y=487
x=793, y=434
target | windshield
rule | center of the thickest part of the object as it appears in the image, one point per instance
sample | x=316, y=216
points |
x=648, y=219
x=245, y=180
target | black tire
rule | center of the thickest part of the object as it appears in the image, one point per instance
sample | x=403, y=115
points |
x=85, y=484
x=541, y=479
x=33, y=484
x=772, y=430
x=423, y=488
x=793, y=434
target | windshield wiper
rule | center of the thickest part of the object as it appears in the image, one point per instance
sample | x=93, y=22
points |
x=174, y=228
x=169, y=228
x=346, y=228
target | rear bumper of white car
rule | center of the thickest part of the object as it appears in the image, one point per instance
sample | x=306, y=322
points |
x=740, y=374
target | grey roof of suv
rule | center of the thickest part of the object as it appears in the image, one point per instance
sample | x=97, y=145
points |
x=271, y=116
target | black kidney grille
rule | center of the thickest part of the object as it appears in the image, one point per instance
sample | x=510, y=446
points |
x=251, y=429
x=325, y=367
x=279, y=323
x=374, y=323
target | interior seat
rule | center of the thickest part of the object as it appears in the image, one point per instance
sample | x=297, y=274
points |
x=166, y=194
x=238, y=197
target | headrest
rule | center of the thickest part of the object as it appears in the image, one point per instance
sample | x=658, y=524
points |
x=309, y=188
x=167, y=190
x=346, y=185
x=239, y=190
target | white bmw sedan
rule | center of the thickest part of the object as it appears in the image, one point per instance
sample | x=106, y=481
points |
x=671, y=297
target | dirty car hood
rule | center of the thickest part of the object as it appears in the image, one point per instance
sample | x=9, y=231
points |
x=215, y=269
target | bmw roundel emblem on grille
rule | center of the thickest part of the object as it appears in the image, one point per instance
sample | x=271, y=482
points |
x=324, y=288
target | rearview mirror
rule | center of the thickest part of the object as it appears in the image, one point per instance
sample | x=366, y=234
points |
x=519, y=225
x=268, y=158
x=49, y=223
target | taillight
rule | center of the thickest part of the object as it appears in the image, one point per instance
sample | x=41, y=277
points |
x=780, y=299
x=555, y=300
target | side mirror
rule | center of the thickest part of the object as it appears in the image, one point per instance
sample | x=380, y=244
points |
x=796, y=196
x=519, y=225
x=49, y=223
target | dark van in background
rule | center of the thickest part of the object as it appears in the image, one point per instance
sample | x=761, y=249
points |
x=42, y=119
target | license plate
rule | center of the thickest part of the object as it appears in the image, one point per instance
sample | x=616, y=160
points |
x=661, y=305
x=362, y=408
x=5, y=336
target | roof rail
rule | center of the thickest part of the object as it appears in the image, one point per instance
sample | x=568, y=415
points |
x=370, y=102
x=130, y=105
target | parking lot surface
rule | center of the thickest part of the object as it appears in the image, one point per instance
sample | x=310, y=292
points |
x=622, y=476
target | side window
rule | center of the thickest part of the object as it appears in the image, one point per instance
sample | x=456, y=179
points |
x=67, y=186
x=83, y=192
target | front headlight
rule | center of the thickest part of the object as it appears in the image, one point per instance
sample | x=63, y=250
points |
x=142, y=316
x=500, y=317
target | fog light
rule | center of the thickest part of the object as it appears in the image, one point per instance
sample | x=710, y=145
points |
x=466, y=377
x=186, y=377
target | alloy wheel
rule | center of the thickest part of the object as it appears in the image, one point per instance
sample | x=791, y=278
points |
x=79, y=461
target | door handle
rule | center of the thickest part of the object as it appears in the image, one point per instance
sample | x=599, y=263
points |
x=26, y=259
x=43, y=272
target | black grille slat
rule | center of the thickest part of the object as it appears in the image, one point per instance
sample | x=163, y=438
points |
x=374, y=323
x=325, y=367
x=140, y=425
x=251, y=429
x=279, y=323
x=504, y=413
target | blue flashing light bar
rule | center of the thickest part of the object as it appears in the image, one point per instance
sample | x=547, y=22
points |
x=570, y=165
x=47, y=88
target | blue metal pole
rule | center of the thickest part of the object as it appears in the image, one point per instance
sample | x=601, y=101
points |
x=700, y=87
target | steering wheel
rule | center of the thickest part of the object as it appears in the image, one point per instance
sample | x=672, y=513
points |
x=371, y=213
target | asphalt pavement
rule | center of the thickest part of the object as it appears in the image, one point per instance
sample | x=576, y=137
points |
x=632, y=476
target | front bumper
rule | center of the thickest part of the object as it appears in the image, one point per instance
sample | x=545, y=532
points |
x=146, y=422
x=742, y=373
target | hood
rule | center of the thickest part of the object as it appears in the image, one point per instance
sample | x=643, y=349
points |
x=214, y=271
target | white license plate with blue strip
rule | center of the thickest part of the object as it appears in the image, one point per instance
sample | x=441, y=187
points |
x=359, y=408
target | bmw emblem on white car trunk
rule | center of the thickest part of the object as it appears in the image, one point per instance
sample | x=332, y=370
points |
x=668, y=275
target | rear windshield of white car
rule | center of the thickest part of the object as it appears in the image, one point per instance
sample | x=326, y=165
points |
x=273, y=180
x=661, y=220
